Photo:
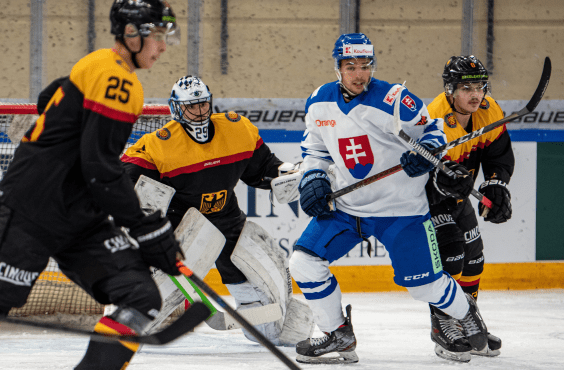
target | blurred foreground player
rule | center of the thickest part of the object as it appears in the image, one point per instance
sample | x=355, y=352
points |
x=66, y=179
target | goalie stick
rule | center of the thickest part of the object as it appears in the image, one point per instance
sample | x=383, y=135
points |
x=191, y=318
x=529, y=108
x=244, y=323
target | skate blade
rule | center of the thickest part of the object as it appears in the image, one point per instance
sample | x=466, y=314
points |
x=486, y=352
x=342, y=358
x=452, y=356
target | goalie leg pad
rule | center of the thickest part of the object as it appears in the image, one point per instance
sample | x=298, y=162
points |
x=266, y=267
x=248, y=296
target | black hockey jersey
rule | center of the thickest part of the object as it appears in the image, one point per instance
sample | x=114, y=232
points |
x=66, y=175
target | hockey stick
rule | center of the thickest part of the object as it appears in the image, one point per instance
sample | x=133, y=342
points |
x=529, y=108
x=421, y=150
x=154, y=195
x=220, y=320
x=244, y=323
x=191, y=318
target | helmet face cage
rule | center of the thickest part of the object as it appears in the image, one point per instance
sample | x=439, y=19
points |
x=187, y=92
x=464, y=69
x=145, y=16
x=353, y=46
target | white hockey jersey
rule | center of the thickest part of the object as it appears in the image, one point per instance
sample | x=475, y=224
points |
x=358, y=137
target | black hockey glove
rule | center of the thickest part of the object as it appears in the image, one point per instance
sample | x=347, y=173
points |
x=414, y=164
x=496, y=191
x=314, y=187
x=447, y=186
x=157, y=243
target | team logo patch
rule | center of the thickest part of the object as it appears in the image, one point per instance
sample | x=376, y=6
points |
x=408, y=102
x=233, y=117
x=357, y=155
x=163, y=134
x=213, y=202
x=450, y=120
x=422, y=122
x=484, y=104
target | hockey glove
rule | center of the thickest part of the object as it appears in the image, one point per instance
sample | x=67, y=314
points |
x=157, y=244
x=496, y=191
x=314, y=187
x=447, y=186
x=414, y=164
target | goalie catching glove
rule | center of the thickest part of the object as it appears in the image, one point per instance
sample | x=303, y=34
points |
x=496, y=191
x=157, y=244
x=314, y=188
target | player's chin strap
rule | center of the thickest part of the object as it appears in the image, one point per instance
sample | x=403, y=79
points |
x=133, y=53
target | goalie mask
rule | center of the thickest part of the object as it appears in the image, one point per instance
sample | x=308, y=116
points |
x=353, y=46
x=190, y=104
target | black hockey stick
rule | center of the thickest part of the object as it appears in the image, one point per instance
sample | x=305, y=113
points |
x=191, y=318
x=244, y=323
x=421, y=150
x=529, y=108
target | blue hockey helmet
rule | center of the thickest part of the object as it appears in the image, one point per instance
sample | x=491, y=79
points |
x=353, y=45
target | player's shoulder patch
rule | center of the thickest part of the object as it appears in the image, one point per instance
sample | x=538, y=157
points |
x=485, y=104
x=232, y=116
x=163, y=133
x=450, y=120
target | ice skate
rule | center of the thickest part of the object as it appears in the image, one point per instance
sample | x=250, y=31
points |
x=492, y=349
x=451, y=344
x=341, y=341
x=474, y=327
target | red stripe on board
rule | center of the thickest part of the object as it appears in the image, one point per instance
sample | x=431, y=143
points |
x=138, y=161
x=208, y=164
x=109, y=112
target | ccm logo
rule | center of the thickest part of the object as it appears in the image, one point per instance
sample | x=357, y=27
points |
x=416, y=277
x=329, y=122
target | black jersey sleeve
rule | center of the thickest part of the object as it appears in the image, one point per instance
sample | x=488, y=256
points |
x=46, y=94
x=263, y=164
x=101, y=144
x=498, y=160
x=134, y=171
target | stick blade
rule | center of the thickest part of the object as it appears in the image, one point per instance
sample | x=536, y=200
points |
x=192, y=317
x=543, y=84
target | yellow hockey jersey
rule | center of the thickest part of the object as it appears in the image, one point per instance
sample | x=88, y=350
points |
x=492, y=150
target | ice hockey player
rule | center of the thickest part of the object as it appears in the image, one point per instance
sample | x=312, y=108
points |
x=466, y=106
x=349, y=125
x=66, y=179
x=203, y=155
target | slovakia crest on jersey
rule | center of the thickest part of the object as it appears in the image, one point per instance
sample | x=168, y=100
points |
x=357, y=154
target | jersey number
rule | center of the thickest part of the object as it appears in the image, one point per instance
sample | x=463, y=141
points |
x=201, y=132
x=35, y=131
x=123, y=94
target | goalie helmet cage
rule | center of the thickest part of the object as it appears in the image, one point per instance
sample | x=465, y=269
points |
x=53, y=292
